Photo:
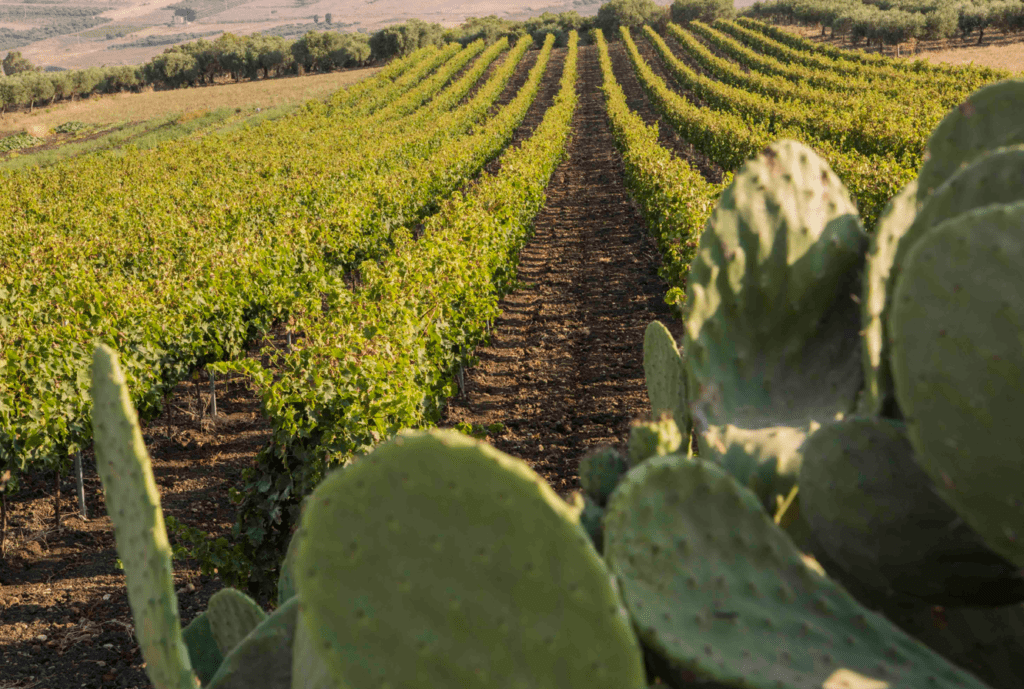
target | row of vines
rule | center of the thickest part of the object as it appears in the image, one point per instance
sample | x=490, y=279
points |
x=365, y=225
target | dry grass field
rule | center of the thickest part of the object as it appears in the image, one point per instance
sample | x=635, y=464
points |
x=137, y=107
x=997, y=51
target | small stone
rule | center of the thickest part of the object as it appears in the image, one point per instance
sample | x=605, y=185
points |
x=41, y=637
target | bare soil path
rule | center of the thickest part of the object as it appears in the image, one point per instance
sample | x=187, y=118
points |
x=564, y=370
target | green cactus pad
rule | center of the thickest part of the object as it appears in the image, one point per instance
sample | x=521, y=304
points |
x=766, y=460
x=989, y=119
x=876, y=514
x=203, y=652
x=232, y=616
x=894, y=222
x=438, y=561
x=600, y=471
x=715, y=588
x=772, y=334
x=308, y=668
x=286, y=580
x=591, y=517
x=264, y=657
x=653, y=439
x=958, y=365
x=666, y=376
x=133, y=503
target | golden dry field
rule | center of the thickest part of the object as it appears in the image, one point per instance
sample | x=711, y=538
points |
x=137, y=107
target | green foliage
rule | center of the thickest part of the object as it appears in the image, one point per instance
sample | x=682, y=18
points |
x=686, y=11
x=16, y=63
x=403, y=39
x=631, y=14
x=216, y=556
x=674, y=198
x=18, y=141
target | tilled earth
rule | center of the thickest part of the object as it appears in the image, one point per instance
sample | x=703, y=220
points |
x=64, y=617
x=563, y=372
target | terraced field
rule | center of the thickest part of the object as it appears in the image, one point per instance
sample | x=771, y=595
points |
x=474, y=237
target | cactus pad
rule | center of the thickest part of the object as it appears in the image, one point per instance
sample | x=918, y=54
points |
x=666, y=376
x=653, y=439
x=591, y=518
x=894, y=222
x=997, y=177
x=876, y=514
x=133, y=503
x=599, y=473
x=286, y=580
x=437, y=547
x=264, y=657
x=989, y=119
x=958, y=365
x=232, y=616
x=715, y=588
x=772, y=334
x=202, y=648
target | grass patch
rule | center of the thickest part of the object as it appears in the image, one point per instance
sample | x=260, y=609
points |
x=109, y=33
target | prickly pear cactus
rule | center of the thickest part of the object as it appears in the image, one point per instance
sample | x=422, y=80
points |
x=286, y=579
x=876, y=514
x=765, y=460
x=591, y=519
x=989, y=119
x=263, y=658
x=715, y=588
x=666, y=376
x=599, y=472
x=448, y=549
x=653, y=439
x=958, y=365
x=308, y=668
x=772, y=339
x=232, y=616
x=996, y=177
x=203, y=652
x=896, y=219
x=133, y=503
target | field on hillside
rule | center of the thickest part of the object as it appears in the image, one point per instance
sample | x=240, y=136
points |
x=478, y=238
x=130, y=24
x=108, y=110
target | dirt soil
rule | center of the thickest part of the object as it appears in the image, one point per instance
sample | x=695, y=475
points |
x=64, y=617
x=563, y=373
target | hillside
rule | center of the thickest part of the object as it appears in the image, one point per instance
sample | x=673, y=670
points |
x=139, y=30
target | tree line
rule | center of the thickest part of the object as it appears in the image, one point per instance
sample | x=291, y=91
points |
x=892, y=22
x=264, y=56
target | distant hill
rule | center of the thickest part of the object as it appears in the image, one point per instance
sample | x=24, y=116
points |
x=133, y=31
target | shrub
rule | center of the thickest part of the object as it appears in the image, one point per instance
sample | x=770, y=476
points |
x=707, y=11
